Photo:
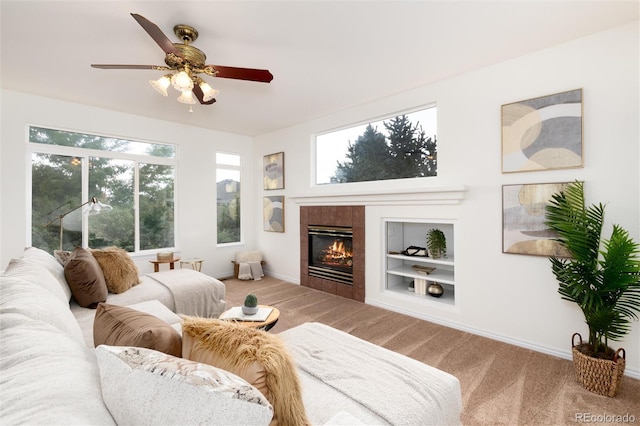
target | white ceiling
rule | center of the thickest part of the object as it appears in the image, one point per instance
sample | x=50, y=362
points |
x=325, y=56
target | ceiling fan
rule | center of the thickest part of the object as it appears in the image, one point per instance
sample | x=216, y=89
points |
x=185, y=63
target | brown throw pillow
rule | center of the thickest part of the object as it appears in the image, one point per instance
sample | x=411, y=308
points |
x=85, y=278
x=120, y=272
x=122, y=326
x=257, y=356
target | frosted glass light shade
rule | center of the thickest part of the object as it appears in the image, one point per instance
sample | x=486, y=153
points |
x=182, y=81
x=187, y=97
x=161, y=85
x=208, y=92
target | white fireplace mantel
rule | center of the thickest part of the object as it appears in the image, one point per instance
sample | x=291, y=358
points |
x=405, y=196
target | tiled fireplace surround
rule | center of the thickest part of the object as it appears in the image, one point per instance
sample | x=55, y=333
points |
x=347, y=216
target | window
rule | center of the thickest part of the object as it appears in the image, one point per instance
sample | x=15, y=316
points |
x=399, y=147
x=228, y=197
x=135, y=179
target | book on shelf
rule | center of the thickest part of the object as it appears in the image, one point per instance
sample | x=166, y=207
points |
x=236, y=314
x=420, y=286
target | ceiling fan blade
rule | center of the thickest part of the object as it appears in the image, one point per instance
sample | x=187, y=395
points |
x=157, y=35
x=251, y=74
x=127, y=67
x=200, y=96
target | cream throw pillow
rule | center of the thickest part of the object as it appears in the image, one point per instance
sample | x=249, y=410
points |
x=145, y=387
x=257, y=356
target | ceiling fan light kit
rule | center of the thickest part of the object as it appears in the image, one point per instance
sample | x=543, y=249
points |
x=185, y=63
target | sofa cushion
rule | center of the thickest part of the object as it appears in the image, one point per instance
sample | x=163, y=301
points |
x=41, y=257
x=48, y=377
x=37, y=274
x=123, y=326
x=19, y=296
x=85, y=278
x=120, y=272
x=257, y=356
x=143, y=386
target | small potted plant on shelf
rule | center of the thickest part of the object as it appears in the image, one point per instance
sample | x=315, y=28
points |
x=250, y=306
x=436, y=243
x=602, y=277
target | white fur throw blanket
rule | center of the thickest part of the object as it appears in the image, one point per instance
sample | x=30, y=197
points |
x=399, y=389
x=194, y=293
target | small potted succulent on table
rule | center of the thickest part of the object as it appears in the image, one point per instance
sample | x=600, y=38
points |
x=250, y=306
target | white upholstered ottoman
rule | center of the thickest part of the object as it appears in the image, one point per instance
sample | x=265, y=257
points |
x=343, y=374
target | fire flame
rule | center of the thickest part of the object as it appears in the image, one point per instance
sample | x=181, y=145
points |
x=337, y=253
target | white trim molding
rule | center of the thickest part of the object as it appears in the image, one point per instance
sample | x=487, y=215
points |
x=404, y=196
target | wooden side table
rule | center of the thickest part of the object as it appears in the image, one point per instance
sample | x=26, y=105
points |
x=196, y=263
x=171, y=262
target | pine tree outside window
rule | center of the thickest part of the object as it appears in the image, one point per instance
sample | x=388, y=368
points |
x=399, y=147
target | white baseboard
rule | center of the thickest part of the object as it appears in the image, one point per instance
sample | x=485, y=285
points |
x=633, y=373
x=283, y=277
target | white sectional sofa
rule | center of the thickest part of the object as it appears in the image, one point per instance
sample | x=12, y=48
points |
x=49, y=373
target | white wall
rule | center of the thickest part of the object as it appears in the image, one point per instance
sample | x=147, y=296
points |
x=509, y=297
x=195, y=186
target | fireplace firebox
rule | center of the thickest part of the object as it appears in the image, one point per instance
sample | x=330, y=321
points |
x=331, y=253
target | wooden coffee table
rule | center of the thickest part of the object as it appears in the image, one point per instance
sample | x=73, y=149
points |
x=265, y=325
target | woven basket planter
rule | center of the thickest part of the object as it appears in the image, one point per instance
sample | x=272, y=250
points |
x=597, y=375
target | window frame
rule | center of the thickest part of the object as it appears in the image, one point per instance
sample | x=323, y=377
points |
x=377, y=119
x=239, y=169
x=85, y=154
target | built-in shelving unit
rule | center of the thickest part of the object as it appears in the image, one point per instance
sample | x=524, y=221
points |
x=399, y=273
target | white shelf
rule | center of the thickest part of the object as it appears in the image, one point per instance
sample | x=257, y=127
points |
x=424, y=259
x=398, y=270
x=439, y=275
x=448, y=297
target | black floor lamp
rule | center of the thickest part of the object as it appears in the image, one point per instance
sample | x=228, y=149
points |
x=95, y=208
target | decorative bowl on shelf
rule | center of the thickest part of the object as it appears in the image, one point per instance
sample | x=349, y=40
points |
x=423, y=269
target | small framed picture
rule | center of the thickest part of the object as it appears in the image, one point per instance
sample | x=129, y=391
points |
x=273, y=213
x=273, y=171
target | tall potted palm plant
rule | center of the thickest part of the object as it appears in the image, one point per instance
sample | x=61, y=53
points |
x=602, y=277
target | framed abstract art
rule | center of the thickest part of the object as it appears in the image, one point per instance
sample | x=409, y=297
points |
x=523, y=220
x=273, y=213
x=542, y=133
x=273, y=171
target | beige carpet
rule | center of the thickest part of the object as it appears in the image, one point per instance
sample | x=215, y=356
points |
x=501, y=384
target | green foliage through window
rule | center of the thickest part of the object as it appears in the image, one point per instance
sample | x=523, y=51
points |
x=401, y=147
x=228, y=198
x=70, y=168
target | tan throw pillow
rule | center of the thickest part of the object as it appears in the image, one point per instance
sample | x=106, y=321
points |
x=122, y=326
x=257, y=356
x=120, y=272
x=85, y=278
